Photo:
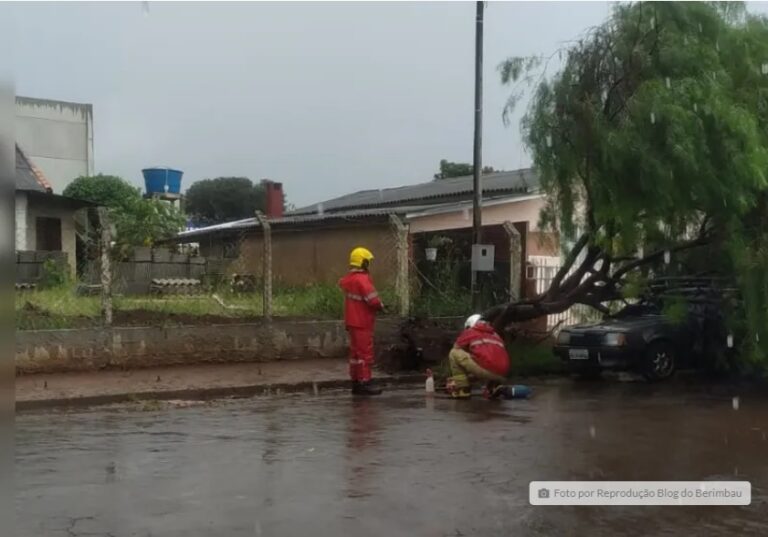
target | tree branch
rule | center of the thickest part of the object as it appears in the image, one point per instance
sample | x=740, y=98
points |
x=569, y=261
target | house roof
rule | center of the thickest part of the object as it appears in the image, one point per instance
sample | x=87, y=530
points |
x=293, y=219
x=406, y=211
x=30, y=179
x=457, y=188
x=28, y=176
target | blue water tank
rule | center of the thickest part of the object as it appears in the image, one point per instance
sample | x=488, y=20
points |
x=162, y=180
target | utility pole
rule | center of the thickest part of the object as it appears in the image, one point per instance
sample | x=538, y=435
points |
x=477, y=201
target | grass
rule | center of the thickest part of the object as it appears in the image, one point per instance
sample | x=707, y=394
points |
x=529, y=360
x=434, y=303
x=53, y=308
x=63, y=308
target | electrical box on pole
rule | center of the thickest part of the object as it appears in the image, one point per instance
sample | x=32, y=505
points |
x=482, y=257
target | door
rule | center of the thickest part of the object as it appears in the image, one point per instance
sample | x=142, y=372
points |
x=48, y=234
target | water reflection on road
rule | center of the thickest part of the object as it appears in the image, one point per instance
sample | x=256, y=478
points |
x=398, y=465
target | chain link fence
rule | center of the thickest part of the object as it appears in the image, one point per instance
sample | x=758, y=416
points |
x=216, y=281
x=221, y=278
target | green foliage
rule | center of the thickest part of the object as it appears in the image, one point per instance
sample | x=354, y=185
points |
x=675, y=309
x=224, y=199
x=441, y=293
x=529, y=359
x=656, y=125
x=55, y=274
x=61, y=307
x=458, y=169
x=319, y=300
x=634, y=286
x=105, y=190
x=137, y=221
x=316, y=300
x=144, y=222
x=437, y=303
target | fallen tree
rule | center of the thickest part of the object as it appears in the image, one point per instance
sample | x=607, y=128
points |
x=589, y=276
x=652, y=136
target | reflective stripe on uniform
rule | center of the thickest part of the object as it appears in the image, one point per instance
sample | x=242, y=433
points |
x=356, y=362
x=352, y=296
x=370, y=296
x=488, y=341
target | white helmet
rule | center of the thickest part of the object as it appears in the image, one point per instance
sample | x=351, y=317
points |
x=472, y=320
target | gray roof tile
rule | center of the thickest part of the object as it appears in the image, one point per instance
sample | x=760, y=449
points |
x=437, y=191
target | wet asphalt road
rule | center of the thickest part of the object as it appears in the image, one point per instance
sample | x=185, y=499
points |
x=398, y=465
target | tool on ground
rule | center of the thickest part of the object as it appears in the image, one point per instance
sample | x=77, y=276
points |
x=503, y=391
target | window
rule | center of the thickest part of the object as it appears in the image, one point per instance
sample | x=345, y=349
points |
x=48, y=234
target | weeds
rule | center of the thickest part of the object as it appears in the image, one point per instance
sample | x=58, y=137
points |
x=530, y=359
x=62, y=307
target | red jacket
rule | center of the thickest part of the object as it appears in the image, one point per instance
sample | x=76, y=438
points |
x=486, y=347
x=361, y=301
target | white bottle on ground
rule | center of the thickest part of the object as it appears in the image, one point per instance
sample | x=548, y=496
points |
x=429, y=386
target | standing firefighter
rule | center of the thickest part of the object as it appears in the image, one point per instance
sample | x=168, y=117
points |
x=361, y=303
x=479, y=352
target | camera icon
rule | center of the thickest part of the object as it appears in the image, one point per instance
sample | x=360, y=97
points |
x=544, y=493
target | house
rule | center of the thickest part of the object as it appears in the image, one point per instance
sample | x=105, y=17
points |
x=57, y=136
x=311, y=244
x=45, y=222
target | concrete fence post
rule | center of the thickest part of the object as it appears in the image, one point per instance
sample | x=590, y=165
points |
x=106, y=267
x=515, y=261
x=267, y=263
x=402, y=281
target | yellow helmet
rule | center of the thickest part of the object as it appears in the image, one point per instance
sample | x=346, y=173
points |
x=358, y=256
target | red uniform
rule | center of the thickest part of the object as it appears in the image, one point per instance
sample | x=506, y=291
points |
x=486, y=347
x=361, y=302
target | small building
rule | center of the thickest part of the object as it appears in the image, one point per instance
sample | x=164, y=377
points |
x=311, y=244
x=45, y=222
x=57, y=136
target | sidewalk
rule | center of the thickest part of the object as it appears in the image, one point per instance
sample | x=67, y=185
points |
x=186, y=382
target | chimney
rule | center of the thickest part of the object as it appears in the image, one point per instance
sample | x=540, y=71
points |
x=273, y=193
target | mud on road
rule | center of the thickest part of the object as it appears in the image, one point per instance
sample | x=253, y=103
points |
x=398, y=465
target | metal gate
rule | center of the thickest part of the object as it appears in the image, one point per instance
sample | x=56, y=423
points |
x=542, y=270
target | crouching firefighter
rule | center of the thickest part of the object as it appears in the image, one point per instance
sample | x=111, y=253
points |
x=478, y=353
x=361, y=303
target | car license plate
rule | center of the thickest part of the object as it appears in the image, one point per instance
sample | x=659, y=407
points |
x=578, y=354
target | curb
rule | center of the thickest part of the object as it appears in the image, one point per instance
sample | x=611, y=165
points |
x=204, y=394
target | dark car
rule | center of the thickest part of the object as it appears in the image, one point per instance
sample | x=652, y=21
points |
x=639, y=338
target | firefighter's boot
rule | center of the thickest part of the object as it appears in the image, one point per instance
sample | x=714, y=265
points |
x=365, y=388
x=458, y=387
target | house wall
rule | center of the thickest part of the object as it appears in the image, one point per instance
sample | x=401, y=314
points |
x=304, y=256
x=57, y=137
x=37, y=209
x=526, y=210
x=22, y=223
x=543, y=243
x=523, y=213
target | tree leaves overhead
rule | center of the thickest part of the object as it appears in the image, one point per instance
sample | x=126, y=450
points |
x=138, y=221
x=656, y=121
x=224, y=199
x=458, y=169
x=106, y=190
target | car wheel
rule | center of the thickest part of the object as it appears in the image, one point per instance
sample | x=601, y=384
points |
x=660, y=361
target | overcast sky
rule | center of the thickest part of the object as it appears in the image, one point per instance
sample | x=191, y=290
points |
x=328, y=98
